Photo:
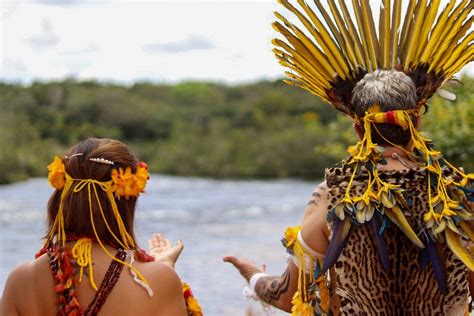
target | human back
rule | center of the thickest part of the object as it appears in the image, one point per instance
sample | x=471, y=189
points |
x=390, y=261
x=33, y=290
x=91, y=262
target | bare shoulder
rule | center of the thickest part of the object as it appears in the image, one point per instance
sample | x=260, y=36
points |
x=314, y=229
x=19, y=274
x=162, y=278
x=13, y=287
x=318, y=200
x=167, y=288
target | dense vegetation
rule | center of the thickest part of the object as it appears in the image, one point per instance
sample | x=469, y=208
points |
x=266, y=129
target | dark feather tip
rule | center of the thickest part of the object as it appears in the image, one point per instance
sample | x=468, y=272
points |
x=380, y=243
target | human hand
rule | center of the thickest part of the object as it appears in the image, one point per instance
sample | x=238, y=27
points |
x=246, y=267
x=162, y=250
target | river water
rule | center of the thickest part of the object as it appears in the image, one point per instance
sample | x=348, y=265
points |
x=213, y=217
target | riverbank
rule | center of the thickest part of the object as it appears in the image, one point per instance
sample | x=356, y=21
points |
x=260, y=130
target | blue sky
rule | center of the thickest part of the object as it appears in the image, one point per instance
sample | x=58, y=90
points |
x=126, y=41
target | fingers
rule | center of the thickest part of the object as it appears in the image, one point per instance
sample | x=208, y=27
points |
x=263, y=267
x=180, y=244
x=230, y=259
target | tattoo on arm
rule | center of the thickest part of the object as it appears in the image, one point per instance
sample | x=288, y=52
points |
x=317, y=195
x=270, y=289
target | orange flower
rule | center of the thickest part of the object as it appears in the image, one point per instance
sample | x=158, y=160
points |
x=57, y=173
x=127, y=184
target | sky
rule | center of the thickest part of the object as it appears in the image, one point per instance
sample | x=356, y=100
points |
x=129, y=41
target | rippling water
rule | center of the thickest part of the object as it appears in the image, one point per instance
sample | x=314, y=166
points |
x=214, y=218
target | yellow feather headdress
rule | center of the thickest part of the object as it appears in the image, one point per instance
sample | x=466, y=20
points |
x=327, y=56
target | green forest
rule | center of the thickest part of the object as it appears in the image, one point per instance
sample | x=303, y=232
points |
x=260, y=130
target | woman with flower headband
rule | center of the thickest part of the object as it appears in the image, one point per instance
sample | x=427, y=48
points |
x=390, y=231
x=91, y=236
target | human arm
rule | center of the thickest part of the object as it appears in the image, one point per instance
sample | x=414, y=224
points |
x=279, y=290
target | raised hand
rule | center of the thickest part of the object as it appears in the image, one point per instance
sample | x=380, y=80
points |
x=162, y=250
x=246, y=267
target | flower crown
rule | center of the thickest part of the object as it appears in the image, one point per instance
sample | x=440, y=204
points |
x=124, y=183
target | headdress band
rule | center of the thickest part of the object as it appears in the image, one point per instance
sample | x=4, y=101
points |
x=395, y=117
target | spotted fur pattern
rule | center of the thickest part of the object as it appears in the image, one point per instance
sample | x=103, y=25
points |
x=362, y=284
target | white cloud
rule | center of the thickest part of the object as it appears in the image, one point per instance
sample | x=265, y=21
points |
x=191, y=42
x=133, y=40
x=46, y=38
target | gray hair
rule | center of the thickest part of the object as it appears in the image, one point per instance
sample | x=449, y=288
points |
x=391, y=89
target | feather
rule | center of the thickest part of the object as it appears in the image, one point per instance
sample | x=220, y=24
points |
x=380, y=243
x=426, y=26
x=324, y=39
x=446, y=95
x=370, y=33
x=330, y=23
x=397, y=10
x=362, y=33
x=320, y=69
x=340, y=24
x=453, y=24
x=423, y=259
x=352, y=33
x=406, y=26
x=458, y=51
x=384, y=33
x=414, y=35
x=340, y=234
x=468, y=228
x=454, y=243
x=437, y=264
x=310, y=54
x=395, y=214
x=439, y=27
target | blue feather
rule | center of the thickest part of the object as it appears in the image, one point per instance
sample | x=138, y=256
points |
x=438, y=267
x=424, y=259
x=336, y=245
x=380, y=243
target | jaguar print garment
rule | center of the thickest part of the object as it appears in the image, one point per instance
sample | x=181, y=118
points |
x=362, y=284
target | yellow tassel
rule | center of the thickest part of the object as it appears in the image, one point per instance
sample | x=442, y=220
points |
x=82, y=252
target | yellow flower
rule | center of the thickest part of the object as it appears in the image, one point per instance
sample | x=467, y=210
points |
x=57, y=173
x=142, y=176
x=192, y=304
x=300, y=308
x=291, y=236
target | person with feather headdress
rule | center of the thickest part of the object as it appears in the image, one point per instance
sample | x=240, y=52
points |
x=389, y=231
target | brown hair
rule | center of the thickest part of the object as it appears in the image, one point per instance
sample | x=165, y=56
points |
x=76, y=204
x=392, y=90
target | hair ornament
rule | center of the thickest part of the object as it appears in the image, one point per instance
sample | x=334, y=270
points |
x=72, y=156
x=124, y=183
x=102, y=160
x=57, y=173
